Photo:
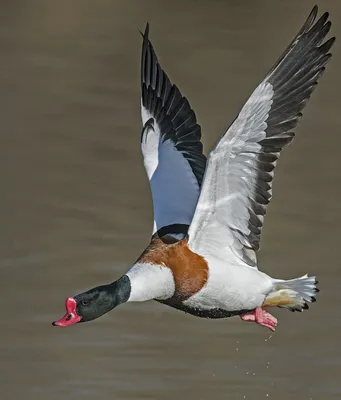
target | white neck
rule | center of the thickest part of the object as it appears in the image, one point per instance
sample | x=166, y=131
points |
x=150, y=281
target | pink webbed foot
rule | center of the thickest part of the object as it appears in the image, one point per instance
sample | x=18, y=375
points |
x=261, y=317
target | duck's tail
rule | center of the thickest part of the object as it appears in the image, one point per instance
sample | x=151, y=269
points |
x=293, y=294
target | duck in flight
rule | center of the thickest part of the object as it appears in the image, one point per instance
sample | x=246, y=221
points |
x=208, y=214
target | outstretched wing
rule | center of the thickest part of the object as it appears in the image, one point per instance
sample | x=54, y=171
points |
x=171, y=147
x=237, y=186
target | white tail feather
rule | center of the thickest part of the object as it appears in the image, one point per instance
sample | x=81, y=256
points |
x=295, y=293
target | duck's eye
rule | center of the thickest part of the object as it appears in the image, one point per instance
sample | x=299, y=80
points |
x=85, y=302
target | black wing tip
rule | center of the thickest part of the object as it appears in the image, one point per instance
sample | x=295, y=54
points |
x=146, y=31
x=145, y=37
x=313, y=13
x=323, y=21
x=170, y=109
x=146, y=47
x=311, y=23
x=311, y=37
x=329, y=44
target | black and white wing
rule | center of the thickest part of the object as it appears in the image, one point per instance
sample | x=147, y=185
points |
x=237, y=185
x=171, y=147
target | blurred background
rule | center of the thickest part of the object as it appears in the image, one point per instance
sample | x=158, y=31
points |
x=76, y=206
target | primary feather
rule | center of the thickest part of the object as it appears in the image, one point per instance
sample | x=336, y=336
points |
x=238, y=181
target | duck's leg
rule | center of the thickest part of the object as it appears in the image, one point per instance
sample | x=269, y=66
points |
x=261, y=317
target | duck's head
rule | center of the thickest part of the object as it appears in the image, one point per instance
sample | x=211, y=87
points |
x=94, y=303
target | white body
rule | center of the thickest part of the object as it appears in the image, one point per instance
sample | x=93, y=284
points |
x=231, y=287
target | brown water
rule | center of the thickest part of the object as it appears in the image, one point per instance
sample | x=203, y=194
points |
x=76, y=207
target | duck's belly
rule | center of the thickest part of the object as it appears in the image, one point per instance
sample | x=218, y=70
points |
x=233, y=289
x=213, y=313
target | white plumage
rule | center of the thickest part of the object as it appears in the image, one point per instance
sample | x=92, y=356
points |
x=220, y=226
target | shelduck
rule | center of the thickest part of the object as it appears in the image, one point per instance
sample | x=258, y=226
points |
x=208, y=214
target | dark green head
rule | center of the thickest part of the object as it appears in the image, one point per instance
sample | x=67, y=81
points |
x=95, y=302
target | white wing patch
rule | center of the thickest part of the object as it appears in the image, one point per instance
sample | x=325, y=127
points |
x=149, y=144
x=222, y=214
x=175, y=190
